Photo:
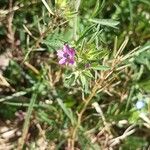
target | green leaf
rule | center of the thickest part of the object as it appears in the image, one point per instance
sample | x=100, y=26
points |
x=96, y=9
x=88, y=73
x=105, y=22
x=94, y=54
x=66, y=110
x=44, y=117
x=100, y=67
x=85, y=33
x=83, y=80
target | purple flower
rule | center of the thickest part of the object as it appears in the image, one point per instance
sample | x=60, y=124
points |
x=66, y=55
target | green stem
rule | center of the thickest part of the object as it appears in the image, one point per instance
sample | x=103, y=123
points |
x=130, y=97
x=27, y=122
x=18, y=94
x=25, y=104
x=77, y=5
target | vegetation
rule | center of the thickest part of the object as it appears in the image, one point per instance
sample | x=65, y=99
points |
x=74, y=74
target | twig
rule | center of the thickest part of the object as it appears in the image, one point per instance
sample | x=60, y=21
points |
x=31, y=67
x=99, y=110
x=127, y=132
x=47, y=7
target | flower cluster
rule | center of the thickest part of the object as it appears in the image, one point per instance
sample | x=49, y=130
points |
x=66, y=55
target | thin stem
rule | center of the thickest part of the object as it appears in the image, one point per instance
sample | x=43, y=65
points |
x=81, y=114
x=26, y=104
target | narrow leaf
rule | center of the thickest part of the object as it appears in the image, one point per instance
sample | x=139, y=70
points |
x=67, y=111
x=105, y=22
x=100, y=67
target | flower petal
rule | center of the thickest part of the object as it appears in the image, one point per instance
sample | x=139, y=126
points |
x=71, y=61
x=62, y=61
x=66, y=48
x=71, y=52
x=60, y=53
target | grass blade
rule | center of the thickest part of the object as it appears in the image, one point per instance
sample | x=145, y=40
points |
x=67, y=111
x=27, y=121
